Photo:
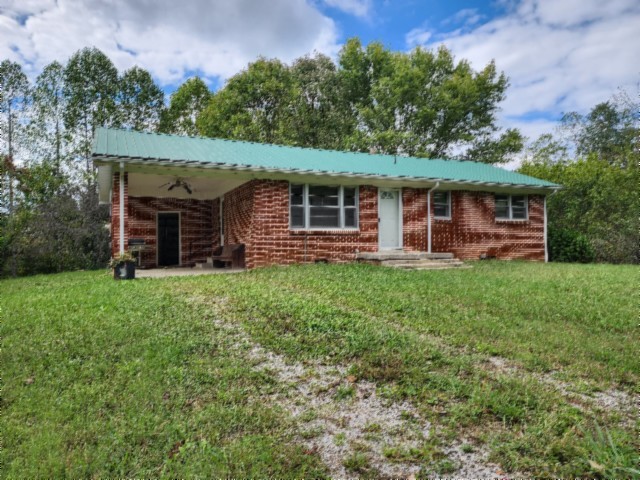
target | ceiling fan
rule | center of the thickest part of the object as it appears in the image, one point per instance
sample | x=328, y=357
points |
x=179, y=182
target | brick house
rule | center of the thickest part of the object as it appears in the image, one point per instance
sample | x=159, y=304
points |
x=183, y=196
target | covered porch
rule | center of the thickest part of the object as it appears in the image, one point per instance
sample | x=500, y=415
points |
x=169, y=216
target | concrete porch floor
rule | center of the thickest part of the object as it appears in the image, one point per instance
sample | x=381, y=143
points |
x=183, y=272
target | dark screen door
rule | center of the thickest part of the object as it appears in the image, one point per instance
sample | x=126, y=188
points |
x=168, y=239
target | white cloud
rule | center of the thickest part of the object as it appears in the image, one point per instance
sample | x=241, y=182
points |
x=418, y=36
x=560, y=56
x=358, y=8
x=466, y=16
x=169, y=38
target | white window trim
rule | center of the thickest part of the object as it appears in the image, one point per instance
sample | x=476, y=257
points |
x=307, y=208
x=438, y=217
x=510, y=217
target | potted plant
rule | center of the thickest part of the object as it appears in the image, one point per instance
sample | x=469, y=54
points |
x=124, y=266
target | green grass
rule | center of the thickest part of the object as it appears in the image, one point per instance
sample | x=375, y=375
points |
x=126, y=379
x=133, y=378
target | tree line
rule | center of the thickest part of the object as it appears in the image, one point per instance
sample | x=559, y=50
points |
x=50, y=219
x=596, y=158
x=422, y=103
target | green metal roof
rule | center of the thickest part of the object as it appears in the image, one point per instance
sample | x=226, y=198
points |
x=153, y=147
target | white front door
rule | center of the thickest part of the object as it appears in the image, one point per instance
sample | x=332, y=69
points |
x=389, y=215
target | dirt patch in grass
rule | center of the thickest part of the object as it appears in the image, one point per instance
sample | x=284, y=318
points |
x=354, y=429
x=611, y=400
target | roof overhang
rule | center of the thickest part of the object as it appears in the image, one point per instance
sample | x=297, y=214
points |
x=191, y=168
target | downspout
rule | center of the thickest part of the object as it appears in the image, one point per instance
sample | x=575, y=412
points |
x=429, y=216
x=546, y=247
x=121, y=181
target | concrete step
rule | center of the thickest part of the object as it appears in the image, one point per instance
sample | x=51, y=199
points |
x=424, y=265
x=444, y=267
x=412, y=260
x=400, y=255
x=419, y=260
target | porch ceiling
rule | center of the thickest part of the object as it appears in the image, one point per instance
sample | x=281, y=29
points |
x=202, y=188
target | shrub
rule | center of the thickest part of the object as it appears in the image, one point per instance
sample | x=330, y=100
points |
x=566, y=245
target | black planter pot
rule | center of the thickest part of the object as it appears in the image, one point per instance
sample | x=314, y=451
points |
x=125, y=271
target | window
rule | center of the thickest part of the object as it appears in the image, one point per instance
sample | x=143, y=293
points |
x=322, y=206
x=511, y=207
x=442, y=204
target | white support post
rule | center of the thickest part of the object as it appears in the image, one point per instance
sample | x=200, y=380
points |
x=429, y=216
x=546, y=248
x=121, y=181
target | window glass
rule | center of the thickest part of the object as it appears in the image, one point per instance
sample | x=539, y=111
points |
x=321, y=196
x=349, y=197
x=350, y=218
x=441, y=206
x=518, y=207
x=502, y=206
x=296, y=203
x=297, y=194
x=324, y=217
x=297, y=217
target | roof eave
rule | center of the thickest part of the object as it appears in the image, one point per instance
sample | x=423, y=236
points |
x=320, y=173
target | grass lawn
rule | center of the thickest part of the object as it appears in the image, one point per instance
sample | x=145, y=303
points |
x=104, y=378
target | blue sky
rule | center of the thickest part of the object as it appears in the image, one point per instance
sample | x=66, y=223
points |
x=560, y=55
x=390, y=21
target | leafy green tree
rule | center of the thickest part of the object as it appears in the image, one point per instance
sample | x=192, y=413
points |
x=254, y=105
x=14, y=95
x=90, y=90
x=140, y=100
x=47, y=136
x=320, y=116
x=185, y=105
x=598, y=200
x=547, y=149
x=14, y=91
x=423, y=103
x=609, y=131
x=600, y=195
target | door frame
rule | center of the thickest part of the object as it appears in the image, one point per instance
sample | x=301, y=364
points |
x=400, y=221
x=179, y=236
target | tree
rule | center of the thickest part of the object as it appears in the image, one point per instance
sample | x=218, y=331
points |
x=14, y=90
x=598, y=200
x=320, y=116
x=91, y=87
x=140, y=100
x=610, y=131
x=547, y=149
x=600, y=192
x=185, y=105
x=254, y=105
x=47, y=132
x=422, y=103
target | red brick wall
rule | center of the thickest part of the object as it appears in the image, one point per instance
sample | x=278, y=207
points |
x=414, y=219
x=272, y=242
x=257, y=214
x=238, y=213
x=197, y=218
x=473, y=229
x=196, y=226
x=215, y=219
